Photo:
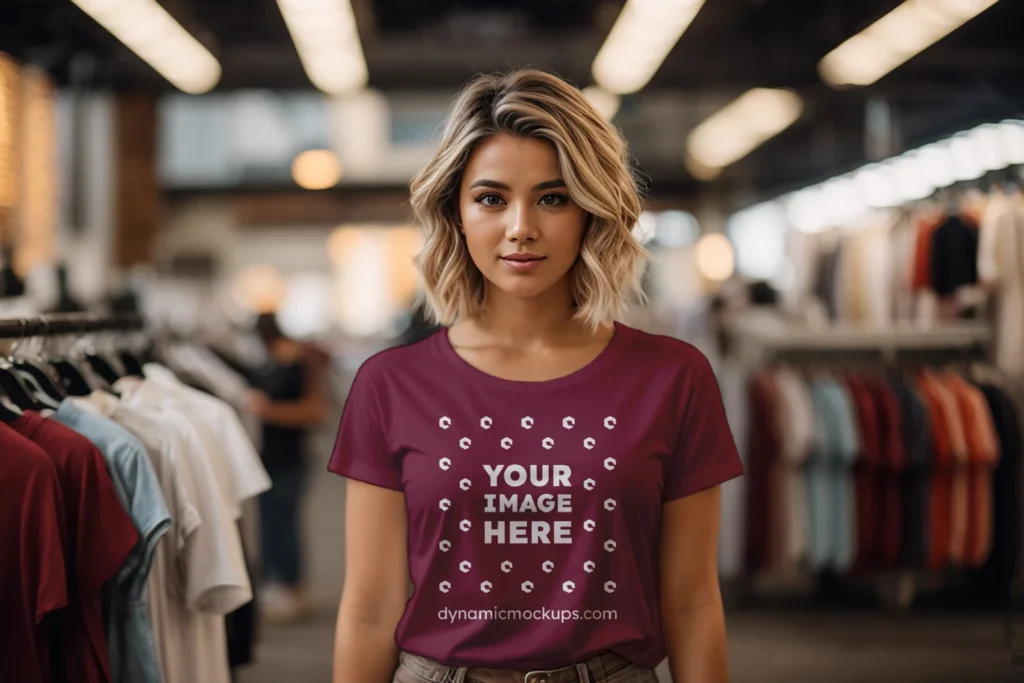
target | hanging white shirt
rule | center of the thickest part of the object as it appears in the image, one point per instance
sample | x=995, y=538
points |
x=247, y=475
x=199, y=571
x=220, y=379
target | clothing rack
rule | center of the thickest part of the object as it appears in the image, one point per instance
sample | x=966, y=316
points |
x=70, y=323
x=106, y=406
x=768, y=338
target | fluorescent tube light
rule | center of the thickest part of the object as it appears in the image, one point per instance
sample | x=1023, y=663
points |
x=327, y=40
x=891, y=41
x=151, y=33
x=739, y=128
x=641, y=38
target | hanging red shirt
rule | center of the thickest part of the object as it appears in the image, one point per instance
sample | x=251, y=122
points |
x=32, y=569
x=100, y=535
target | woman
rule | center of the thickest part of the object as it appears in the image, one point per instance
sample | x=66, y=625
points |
x=289, y=399
x=546, y=476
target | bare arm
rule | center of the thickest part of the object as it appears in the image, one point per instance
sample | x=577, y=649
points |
x=376, y=584
x=691, y=601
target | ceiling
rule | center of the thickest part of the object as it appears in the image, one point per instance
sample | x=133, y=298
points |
x=975, y=75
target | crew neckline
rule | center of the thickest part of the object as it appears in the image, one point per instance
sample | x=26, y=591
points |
x=611, y=351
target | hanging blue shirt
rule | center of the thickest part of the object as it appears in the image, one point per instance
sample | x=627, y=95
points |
x=133, y=657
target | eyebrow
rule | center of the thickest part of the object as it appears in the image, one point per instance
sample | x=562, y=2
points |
x=494, y=184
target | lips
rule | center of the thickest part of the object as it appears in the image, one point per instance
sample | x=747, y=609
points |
x=522, y=262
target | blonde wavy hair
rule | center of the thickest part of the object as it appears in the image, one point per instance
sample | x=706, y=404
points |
x=597, y=173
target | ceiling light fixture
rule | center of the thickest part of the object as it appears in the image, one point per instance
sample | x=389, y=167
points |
x=327, y=40
x=894, y=39
x=643, y=35
x=739, y=128
x=151, y=33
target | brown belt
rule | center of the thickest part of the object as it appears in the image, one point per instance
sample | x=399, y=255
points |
x=592, y=670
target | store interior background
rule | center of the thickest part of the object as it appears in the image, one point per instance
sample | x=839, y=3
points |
x=213, y=171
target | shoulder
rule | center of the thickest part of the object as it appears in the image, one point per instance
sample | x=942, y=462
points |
x=21, y=455
x=665, y=354
x=398, y=362
x=668, y=367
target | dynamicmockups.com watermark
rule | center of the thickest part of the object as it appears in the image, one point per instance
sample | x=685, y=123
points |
x=542, y=614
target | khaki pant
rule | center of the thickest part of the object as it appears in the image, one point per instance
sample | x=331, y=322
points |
x=606, y=667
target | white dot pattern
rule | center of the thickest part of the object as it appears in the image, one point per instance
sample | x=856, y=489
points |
x=548, y=442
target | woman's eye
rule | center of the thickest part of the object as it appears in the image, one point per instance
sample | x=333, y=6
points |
x=489, y=199
x=553, y=199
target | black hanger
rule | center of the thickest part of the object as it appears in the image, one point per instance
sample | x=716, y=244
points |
x=71, y=377
x=41, y=373
x=42, y=379
x=99, y=363
x=20, y=390
x=70, y=380
x=132, y=365
x=8, y=411
x=38, y=381
x=40, y=395
x=102, y=368
x=17, y=390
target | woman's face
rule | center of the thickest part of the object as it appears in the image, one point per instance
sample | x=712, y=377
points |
x=522, y=228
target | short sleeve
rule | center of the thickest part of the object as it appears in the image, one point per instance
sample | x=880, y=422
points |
x=249, y=476
x=214, y=576
x=148, y=507
x=105, y=534
x=361, y=449
x=705, y=453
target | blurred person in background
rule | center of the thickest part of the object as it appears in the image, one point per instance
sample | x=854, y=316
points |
x=289, y=397
x=528, y=206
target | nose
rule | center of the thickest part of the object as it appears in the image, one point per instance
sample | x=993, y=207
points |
x=522, y=225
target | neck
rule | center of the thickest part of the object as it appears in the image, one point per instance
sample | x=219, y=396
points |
x=520, y=321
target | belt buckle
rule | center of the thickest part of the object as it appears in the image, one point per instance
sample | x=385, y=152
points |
x=543, y=675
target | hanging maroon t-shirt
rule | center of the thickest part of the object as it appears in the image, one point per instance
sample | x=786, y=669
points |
x=535, y=507
x=865, y=472
x=32, y=569
x=763, y=457
x=100, y=537
x=889, y=519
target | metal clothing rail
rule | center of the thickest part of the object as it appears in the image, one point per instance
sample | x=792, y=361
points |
x=771, y=338
x=68, y=323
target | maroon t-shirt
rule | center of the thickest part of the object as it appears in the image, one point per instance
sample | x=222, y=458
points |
x=32, y=569
x=534, y=507
x=100, y=537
